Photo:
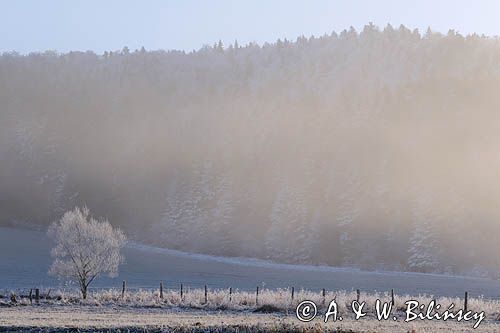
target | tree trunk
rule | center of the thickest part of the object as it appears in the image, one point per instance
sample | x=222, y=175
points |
x=83, y=288
x=84, y=292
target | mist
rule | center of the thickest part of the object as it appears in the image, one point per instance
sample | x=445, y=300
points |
x=376, y=149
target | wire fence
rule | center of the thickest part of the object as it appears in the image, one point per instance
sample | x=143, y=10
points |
x=186, y=288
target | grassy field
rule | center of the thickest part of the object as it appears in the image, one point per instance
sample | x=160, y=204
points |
x=142, y=311
x=26, y=266
x=87, y=318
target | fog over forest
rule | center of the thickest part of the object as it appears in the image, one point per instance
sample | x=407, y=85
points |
x=377, y=149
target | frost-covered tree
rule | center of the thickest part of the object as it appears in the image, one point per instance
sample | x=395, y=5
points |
x=346, y=216
x=287, y=237
x=222, y=216
x=85, y=248
x=187, y=221
x=58, y=199
x=276, y=234
x=173, y=228
x=424, y=246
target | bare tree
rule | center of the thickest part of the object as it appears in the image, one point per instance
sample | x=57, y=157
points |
x=85, y=248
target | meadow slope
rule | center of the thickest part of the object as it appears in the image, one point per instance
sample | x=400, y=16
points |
x=25, y=259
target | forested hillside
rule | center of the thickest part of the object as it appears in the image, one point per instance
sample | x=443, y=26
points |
x=376, y=149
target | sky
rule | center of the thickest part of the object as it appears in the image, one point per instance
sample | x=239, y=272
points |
x=97, y=25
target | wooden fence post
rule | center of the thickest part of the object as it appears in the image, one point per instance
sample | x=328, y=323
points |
x=161, y=289
x=257, y=296
x=293, y=292
x=392, y=297
x=182, y=294
x=124, y=285
x=466, y=301
x=323, y=292
x=358, y=295
x=37, y=295
x=31, y=298
x=230, y=294
x=206, y=295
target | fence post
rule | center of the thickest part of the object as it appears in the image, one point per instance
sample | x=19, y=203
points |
x=161, y=289
x=358, y=295
x=124, y=285
x=37, y=295
x=206, y=295
x=293, y=292
x=392, y=297
x=182, y=294
x=257, y=296
x=31, y=298
x=230, y=294
x=466, y=301
x=323, y=292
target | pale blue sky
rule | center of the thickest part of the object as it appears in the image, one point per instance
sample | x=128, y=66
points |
x=99, y=25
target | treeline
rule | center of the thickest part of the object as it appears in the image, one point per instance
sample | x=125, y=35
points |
x=377, y=149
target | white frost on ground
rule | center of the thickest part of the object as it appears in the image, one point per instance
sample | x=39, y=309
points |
x=243, y=261
x=145, y=266
x=110, y=317
x=107, y=309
